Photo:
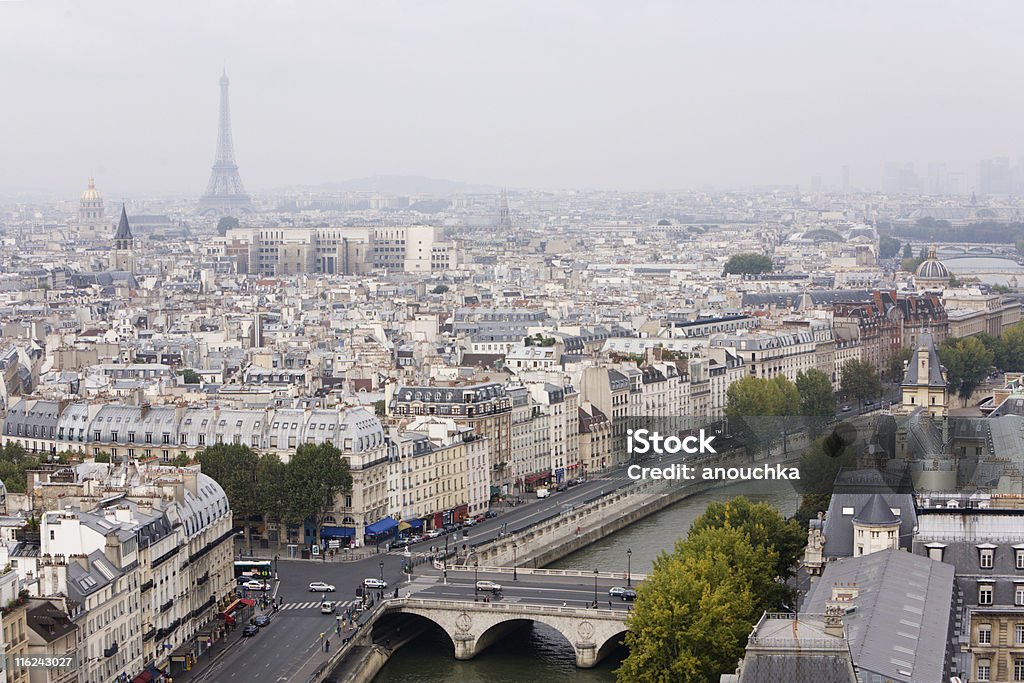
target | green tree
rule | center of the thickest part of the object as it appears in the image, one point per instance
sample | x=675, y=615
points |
x=183, y=460
x=810, y=505
x=894, y=366
x=270, y=486
x=888, y=247
x=102, y=456
x=821, y=461
x=314, y=476
x=379, y=408
x=233, y=466
x=1008, y=350
x=693, y=613
x=817, y=398
x=225, y=223
x=190, y=376
x=748, y=263
x=768, y=531
x=967, y=363
x=860, y=380
x=908, y=250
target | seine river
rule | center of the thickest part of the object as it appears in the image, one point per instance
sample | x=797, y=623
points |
x=991, y=269
x=538, y=653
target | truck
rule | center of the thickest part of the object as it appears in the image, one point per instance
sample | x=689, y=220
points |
x=543, y=493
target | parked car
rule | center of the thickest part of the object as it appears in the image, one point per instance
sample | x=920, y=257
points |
x=488, y=586
x=480, y=518
x=250, y=630
x=321, y=587
x=469, y=522
x=375, y=583
x=433, y=533
x=262, y=620
x=629, y=594
x=491, y=513
x=846, y=409
x=327, y=607
x=254, y=585
x=561, y=487
x=616, y=591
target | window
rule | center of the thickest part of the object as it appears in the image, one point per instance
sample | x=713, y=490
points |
x=985, y=634
x=984, y=670
x=1018, y=594
x=985, y=594
x=1018, y=669
x=1018, y=632
x=1019, y=552
x=985, y=558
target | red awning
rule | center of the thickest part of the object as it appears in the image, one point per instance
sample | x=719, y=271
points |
x=247, y=602
x=144, y=677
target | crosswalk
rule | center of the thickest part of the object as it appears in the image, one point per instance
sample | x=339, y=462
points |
x=340, y=606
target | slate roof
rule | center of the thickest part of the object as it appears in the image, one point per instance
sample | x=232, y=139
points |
x=123, y=231
x=839, y=526
x=935, y=378
x=901, y=627
x=876, y=512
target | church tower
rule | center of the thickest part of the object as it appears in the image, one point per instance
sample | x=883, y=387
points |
x=924, y=384
x=124, y=245
x=91, y=217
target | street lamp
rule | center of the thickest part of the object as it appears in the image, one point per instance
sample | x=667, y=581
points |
x=595, y=588
x=382, y=570
x=515, y=575
x=629, y=556
x=476, y=570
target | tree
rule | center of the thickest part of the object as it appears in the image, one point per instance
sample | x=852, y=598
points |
x=226, y=223
x=379, y=408
x=1008, y=350
x=764, y=528
x=748, y=263
x=190, y=376
x=817, y=399
x=908, y=250
x=440, y=289
x=314, y=476
x=270, y=486
x=693, y=613
x=888, y=247
x=183, y=460
x=860, y=380
x=822, y=460
x=810, y=505
x=967, y=363
x=233, y=466
x=895, y=364
x=758, y=407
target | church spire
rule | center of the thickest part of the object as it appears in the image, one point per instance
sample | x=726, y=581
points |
x=123, y=237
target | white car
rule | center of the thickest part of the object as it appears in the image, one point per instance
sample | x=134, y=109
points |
x=616, y=591
x=488, y=586
x=375, y=583
x=327, y=607
x=433, y=533
x=255, y=585
x=321, y=587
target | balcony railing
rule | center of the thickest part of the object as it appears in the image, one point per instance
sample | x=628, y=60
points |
x=110, y=651
x=167, y=605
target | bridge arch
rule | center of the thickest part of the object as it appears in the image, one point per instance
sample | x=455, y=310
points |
x=612, y=643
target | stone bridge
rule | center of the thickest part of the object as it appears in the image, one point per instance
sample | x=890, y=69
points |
x=473, y=626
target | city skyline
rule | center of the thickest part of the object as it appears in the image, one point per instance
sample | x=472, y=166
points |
x=554, y=98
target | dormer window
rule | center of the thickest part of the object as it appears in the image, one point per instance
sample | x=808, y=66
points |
x=986, y=555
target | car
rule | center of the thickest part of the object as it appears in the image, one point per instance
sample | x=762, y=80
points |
x=375, y=583
x=261, y=621
x=250, y=630
x=561, y=487
x=480, y=518
x=491, y=513
x=255, y=585
x=415, y=539
x=488, y=586
x=327, y=607
x=469, y=522
x=401, y=543
x=321, y=587
x=629, y=594
x=616, y=591
x=433, y=533
x=846, y=409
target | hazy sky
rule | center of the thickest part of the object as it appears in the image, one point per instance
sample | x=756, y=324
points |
x=614, y=95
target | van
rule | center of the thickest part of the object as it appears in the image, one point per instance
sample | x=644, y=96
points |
x=543, y=493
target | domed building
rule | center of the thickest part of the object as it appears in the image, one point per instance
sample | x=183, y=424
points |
x=931, y=274
x=92, y=219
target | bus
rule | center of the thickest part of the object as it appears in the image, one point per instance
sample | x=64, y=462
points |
x=254, y=569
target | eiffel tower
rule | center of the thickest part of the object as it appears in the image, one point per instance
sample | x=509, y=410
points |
x=224, y=193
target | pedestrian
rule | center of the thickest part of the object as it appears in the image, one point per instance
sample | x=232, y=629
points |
x=609, y=603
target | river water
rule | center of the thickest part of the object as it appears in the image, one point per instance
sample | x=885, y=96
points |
x=990, y=270
x=539, y=653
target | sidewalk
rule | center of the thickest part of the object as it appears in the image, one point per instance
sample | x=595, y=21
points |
x=202, y=669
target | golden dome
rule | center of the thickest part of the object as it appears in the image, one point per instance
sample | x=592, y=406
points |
x=91, y=194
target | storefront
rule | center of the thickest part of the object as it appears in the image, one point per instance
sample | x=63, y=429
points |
x=380, y=530
x=536, y=481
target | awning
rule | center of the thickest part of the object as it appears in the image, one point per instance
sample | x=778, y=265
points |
x=337, y=532
x=416, y=523
x=537, y=477
x=247, y=602
x=402, y=526
x=381, y=526
x=144, y=677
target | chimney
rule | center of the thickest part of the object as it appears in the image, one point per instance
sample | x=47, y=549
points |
x=834, y=619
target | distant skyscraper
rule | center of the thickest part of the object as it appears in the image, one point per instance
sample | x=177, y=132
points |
x=504, y=217
x=224, y=193
x=91, y=216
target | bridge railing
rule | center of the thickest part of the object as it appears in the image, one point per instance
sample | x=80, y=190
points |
x=578, y=573
x=427, y=603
